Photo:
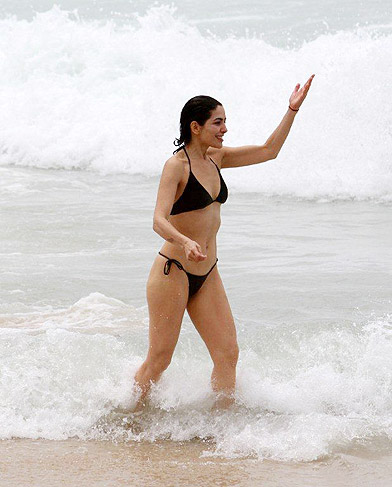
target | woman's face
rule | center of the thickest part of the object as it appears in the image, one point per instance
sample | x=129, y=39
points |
x=212, y=132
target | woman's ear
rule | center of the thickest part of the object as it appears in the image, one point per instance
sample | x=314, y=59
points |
x=195, y=127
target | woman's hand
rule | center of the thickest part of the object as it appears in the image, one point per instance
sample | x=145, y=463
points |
x=193, y=251
x=299, y=95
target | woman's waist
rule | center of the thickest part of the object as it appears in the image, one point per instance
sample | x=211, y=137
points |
x=201, y=267
x=203, y=228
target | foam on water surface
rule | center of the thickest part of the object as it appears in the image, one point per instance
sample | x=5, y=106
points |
x=89, y=95
x=300, y=396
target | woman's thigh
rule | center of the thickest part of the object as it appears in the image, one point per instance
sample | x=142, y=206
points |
x=167, y=297
x=210, y=312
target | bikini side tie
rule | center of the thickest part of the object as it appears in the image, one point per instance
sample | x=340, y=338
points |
x=169, y=262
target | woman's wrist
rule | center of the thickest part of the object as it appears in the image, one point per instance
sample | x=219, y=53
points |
x=293, y=109
x=184, y=241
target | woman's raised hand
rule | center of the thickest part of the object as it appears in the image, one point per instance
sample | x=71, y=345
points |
x=193, y=251
x=299, y=95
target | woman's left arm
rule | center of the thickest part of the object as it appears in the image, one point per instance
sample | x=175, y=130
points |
x=254, y=154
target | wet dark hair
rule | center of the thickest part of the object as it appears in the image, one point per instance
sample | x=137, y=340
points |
x=196, y=109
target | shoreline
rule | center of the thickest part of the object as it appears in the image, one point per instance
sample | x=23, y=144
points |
x=166, y=463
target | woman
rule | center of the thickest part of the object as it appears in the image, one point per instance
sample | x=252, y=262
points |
x=184, y=275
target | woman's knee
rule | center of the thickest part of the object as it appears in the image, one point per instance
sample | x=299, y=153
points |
x=227, y=356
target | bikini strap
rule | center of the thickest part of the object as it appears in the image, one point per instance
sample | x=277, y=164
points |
x=216, y=165
x=188, y=158
x=212, y=267
x=190, y=167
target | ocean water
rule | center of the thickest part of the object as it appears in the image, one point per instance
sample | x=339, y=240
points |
x=90, y=95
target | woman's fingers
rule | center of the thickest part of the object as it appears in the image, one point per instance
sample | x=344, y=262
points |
x=200, y=257
x=298, y=96
x=197, y=257
x=200, y=251
x=308, y=82
x=195, y=253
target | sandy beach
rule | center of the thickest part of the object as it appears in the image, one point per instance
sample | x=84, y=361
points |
x=41, y=463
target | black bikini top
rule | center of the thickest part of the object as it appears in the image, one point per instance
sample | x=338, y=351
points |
x=195, y=196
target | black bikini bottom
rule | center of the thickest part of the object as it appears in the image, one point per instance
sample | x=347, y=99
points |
x=195, y=282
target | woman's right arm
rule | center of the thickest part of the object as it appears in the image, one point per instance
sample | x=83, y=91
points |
x=170, y=179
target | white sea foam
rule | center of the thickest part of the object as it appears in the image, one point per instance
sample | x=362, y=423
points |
x=102, y=97
x=300, y=395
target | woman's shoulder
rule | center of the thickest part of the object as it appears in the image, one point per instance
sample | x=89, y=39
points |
x=175, y=164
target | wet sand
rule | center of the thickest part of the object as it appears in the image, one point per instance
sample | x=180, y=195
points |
x=41, y=463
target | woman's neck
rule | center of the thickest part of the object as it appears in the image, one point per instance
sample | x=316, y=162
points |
x=197, y=150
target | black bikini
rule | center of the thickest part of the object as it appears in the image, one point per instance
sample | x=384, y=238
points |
x=194, y=197
x=194, y=281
